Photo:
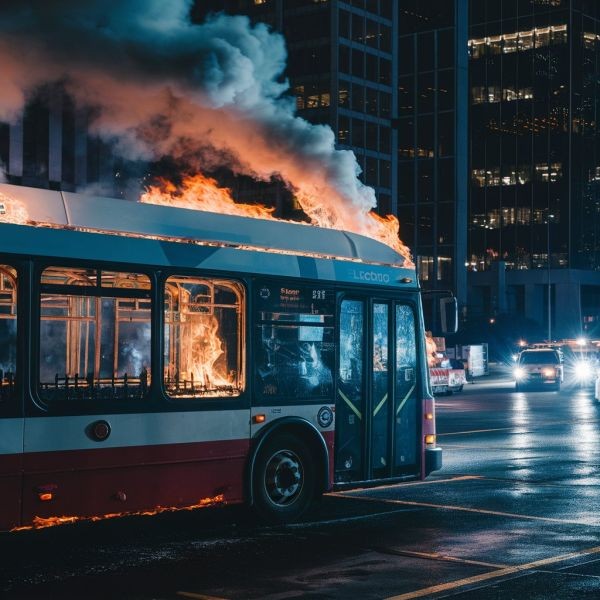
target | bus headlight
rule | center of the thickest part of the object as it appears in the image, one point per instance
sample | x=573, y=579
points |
x=519, y=373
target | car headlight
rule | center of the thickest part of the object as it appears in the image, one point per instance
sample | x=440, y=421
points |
x=548, y=372
x=583, y=371
x=519, y=373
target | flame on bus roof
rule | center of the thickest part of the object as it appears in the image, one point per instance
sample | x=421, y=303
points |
x=198, y=192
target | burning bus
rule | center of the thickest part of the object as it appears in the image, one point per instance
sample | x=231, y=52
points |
x=158, y=358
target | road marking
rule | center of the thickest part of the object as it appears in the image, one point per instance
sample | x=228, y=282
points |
x=406, y=484
x=481, y=511
x=452, y=585
x=528, y=426
x=195, y=596
x=440, y=557
x=344, y=519
x=475, y=431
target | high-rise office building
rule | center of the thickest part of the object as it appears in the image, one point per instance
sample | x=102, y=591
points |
x=534, y=215
x=432, y=138
x=48, y=145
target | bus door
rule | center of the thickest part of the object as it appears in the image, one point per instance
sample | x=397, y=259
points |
x=376, y=404
x=11, y=418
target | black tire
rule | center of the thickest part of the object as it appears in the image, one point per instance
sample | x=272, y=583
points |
x=557, y=387
x=283, y=479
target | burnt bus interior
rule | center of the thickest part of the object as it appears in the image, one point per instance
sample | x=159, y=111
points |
x=310, y=342
x=94, y=334
x=204, y=337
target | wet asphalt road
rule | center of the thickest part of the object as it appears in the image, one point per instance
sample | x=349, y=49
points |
x=515, y=513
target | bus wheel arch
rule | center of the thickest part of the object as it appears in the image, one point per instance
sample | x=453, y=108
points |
x=288, y=470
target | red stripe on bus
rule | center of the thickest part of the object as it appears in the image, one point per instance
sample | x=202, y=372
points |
x=135, y=455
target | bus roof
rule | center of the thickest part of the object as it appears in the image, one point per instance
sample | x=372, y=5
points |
x=68, y=210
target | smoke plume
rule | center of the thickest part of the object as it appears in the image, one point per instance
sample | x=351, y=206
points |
x=161, y=86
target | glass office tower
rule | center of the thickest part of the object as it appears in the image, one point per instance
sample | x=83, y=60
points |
x=432, y=138
x=534, y=235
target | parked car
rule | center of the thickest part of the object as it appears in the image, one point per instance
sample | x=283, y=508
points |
x=539, y=367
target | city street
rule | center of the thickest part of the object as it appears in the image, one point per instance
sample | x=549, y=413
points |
x=513, y=514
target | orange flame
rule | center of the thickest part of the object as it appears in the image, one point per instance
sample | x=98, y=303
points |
x=204, y=352
x=42, y=523
x=431, y=349
x=12, y=211
x=203, y=193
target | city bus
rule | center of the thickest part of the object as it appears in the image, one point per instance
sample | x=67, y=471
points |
x=156, y=358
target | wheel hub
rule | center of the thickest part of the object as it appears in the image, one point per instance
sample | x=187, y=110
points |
x=284, y=477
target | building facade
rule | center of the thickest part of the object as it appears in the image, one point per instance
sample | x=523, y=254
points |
x=48, y=146
x=534, y=211
x=432, y=134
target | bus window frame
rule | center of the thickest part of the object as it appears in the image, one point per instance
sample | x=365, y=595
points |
x=370, y=296
x=14, y=407
x=212, y=403
x=87, y=407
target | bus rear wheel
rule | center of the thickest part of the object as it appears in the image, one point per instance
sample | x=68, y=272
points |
x=284, y=479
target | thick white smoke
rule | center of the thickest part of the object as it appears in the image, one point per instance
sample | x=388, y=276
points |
x=160, y=86
x=159, y=81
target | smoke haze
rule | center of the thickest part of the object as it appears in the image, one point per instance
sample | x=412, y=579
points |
x=203, y=94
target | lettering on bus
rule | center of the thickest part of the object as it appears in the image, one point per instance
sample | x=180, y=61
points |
x=371, y=276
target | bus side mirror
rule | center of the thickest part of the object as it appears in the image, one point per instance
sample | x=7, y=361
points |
x=440, y=311
x=448, y=311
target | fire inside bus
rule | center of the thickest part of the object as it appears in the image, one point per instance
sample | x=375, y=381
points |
x=156, y=358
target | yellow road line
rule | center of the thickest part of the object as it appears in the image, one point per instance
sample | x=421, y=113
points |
x=348, y=494
x=443, y=558
x=452, y=585
x=195, y=596
x=481, y=511
x=475, y=431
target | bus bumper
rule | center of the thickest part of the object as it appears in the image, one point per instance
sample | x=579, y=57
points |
x=433, y=460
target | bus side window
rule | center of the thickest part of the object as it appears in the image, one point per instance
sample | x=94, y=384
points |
x=294, y=342
x=94, y=346
x=204, y=351
x=8, y=332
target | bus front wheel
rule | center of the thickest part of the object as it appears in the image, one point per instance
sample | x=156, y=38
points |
x=284, y=479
